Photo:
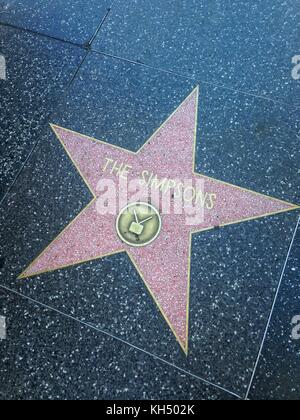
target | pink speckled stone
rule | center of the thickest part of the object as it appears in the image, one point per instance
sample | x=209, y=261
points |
x=164, y=264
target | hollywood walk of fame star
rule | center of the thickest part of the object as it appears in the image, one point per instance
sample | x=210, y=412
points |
x=164, y=264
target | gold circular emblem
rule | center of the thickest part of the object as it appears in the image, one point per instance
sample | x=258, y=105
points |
x=138, y=224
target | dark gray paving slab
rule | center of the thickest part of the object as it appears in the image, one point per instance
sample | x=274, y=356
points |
x=37, y=72
x=242, y=45
x=235, y=270
x=278, y=373
x=70, y=20
x=48, y=356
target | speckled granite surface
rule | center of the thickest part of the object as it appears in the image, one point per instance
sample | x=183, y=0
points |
x=99, y=315
x=278, y=375
x=69, y=20
x=37, y=72
x=48, y=356
x=241, y=45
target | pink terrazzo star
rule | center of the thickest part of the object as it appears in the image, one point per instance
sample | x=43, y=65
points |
x=164, y=265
